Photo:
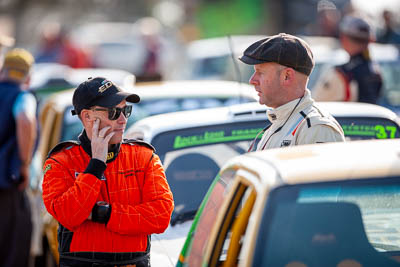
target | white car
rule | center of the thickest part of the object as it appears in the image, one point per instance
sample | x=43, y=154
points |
x=196, y=145
x=333, y=204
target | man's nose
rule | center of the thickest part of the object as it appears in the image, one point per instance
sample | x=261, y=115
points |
x=122, y=118
x=253, y=80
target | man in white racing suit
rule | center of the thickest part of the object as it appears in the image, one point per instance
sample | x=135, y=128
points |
x=282, y=65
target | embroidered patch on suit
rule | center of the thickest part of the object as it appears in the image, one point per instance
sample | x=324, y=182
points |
x=286, y=143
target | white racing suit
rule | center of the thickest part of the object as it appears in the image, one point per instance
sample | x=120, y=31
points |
x=358, y=80
x=300, y=122
x=335, y=86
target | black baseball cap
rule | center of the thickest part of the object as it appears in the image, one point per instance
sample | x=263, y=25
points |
x=99, y=92
x=284, y=49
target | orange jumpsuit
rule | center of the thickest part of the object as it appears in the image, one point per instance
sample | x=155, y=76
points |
x=135, y=186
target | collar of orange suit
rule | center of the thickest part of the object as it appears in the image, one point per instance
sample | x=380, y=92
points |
x=113, y=150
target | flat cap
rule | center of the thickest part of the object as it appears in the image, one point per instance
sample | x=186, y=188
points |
x=284, y=49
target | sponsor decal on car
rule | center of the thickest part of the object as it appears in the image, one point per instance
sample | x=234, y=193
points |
x=378, y=131
x=210, y=137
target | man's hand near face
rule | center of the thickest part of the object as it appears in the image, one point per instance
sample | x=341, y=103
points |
x=100, y=141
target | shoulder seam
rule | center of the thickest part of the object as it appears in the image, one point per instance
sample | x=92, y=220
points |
x=318, y=110
x=139, y=142
x=60, y=146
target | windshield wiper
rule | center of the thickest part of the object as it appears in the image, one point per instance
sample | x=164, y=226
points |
x=182, y=217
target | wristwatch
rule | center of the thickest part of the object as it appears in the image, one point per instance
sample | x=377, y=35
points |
x=101, y=212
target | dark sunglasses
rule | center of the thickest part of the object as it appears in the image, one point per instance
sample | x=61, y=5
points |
x=114, y=113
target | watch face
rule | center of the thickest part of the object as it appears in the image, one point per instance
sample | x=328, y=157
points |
x=102, y=203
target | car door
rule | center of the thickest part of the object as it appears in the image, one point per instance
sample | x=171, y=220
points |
x=225, y=219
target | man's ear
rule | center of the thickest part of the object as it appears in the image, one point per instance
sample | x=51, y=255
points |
x=86, y=116
x=287, y=76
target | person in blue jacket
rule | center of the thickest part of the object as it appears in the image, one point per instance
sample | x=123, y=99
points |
x=18, y=134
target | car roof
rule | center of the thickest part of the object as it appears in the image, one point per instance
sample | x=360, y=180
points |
x=246, y=112
x=325, y=162
x=175, y=89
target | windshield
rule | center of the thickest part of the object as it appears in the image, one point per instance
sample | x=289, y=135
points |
x=347, y=217
x=209, y=67
x=391, y=90
x=192, y=158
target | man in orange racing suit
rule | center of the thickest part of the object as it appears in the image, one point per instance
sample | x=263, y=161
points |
x=108, y=194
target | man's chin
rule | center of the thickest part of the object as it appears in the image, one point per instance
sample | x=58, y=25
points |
x=115, y=140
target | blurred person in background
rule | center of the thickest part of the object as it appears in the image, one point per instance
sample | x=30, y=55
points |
x=55, y=46
x=328, y=18
x=108, y=194
x=282, y=65
x=5, y=41
x=150, y=32
x=17, y=138
x=389, y=33
x=357, y=80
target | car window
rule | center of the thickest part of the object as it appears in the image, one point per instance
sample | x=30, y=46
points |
x=368, y=128
x=72, y=126
x=357, y=219
x=208, y=215
x=391, y=79
x=192, y=158
x=233, y=227
x=209, y=67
